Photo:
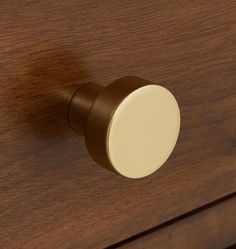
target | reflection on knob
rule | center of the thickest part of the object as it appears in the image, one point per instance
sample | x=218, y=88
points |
x=131, y=126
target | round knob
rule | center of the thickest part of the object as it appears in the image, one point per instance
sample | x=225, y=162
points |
x=131, y=126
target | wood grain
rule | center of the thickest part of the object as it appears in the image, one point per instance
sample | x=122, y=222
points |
x=213, y=228
x=52, y=195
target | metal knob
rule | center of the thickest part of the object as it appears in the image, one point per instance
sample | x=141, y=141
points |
x=131, y=126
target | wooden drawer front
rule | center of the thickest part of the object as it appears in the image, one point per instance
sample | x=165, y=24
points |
x=214, y=227
x=52, y=195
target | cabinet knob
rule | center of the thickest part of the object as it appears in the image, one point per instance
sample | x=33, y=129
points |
x=131, y=126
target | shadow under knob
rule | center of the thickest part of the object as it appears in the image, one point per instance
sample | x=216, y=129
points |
x=131, y=126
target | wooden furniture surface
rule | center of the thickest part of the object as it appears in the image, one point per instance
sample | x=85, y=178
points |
x=52, y=195
x=213, y=227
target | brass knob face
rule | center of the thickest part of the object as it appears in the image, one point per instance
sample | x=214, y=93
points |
x=131, y=126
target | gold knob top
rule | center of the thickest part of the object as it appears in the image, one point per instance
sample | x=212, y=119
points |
x=131, y=126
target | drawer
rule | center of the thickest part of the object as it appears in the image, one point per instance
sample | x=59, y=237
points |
x=52, y=194
x=209, y=227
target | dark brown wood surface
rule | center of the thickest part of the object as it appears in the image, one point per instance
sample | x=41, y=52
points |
x=212, y=228
x=52, y=195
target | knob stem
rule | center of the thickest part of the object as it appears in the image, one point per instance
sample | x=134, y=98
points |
x=80, y=105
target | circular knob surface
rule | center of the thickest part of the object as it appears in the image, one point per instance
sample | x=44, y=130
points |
x=131, y=126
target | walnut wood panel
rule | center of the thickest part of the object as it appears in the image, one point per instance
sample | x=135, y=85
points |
x=52, y=195
x=212, y=228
